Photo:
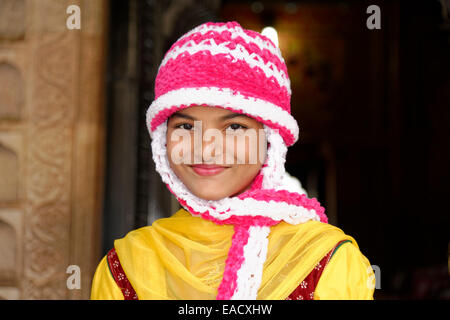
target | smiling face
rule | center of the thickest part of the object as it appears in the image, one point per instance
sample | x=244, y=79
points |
x=215, y=152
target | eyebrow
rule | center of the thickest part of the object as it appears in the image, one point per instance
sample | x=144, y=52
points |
x=182, y=115
x=226, y=117
x=232, y=115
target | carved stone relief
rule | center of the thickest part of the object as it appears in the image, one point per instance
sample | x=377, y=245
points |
x=8, y=248
x=9, y=181
x=43, y=114
x=11, y=92
x=47, y=247
x=12, y=19
x=10, y=251
x=11, y=167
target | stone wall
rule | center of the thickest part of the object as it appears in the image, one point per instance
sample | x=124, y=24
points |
x=51, y=146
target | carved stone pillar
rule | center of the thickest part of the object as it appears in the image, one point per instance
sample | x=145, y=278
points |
x=51, y=146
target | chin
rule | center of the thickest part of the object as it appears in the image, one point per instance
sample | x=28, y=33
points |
x=208, y=189
x=210, y=195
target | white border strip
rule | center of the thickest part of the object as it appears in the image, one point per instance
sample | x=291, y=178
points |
x=291, y=213
x=250, y=273
x=226, y=98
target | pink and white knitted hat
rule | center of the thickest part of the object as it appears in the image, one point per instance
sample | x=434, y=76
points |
x=223, y=65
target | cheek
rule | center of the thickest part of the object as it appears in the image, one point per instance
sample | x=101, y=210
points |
x=241, y=178
x=179, y=150
x=249, y=150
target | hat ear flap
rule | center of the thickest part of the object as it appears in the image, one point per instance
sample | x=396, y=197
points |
x=273, y=169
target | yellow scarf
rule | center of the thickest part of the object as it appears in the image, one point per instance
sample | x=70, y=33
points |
x=183, y=257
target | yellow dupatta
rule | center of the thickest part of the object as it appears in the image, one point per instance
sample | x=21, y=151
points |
x=183, y=257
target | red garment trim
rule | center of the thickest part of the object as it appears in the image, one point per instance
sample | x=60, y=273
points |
x=120, y=277
x=305, y=291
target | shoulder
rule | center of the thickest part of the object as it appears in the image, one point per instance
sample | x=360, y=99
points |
x=309, y=226
x=137, y=239
x=140, y=234
x=104, y=286
x=142, y=237
x=348, y=275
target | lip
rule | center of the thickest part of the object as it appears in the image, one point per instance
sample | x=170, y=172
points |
x=207, y=169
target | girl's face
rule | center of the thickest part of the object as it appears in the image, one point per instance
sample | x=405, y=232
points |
x=215, y=152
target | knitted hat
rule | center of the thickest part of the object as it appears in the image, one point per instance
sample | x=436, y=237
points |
x=223, y=65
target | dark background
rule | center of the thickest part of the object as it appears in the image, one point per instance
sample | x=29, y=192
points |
x=373, y=109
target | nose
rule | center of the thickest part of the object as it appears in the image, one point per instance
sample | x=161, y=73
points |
x=211, y=149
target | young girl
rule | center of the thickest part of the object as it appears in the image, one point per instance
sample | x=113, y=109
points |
x=220, y=126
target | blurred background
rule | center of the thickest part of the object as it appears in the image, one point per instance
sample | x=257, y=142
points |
x=76, y=173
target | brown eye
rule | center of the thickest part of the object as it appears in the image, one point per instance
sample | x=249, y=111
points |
x=236, y=126
x=185, y=126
